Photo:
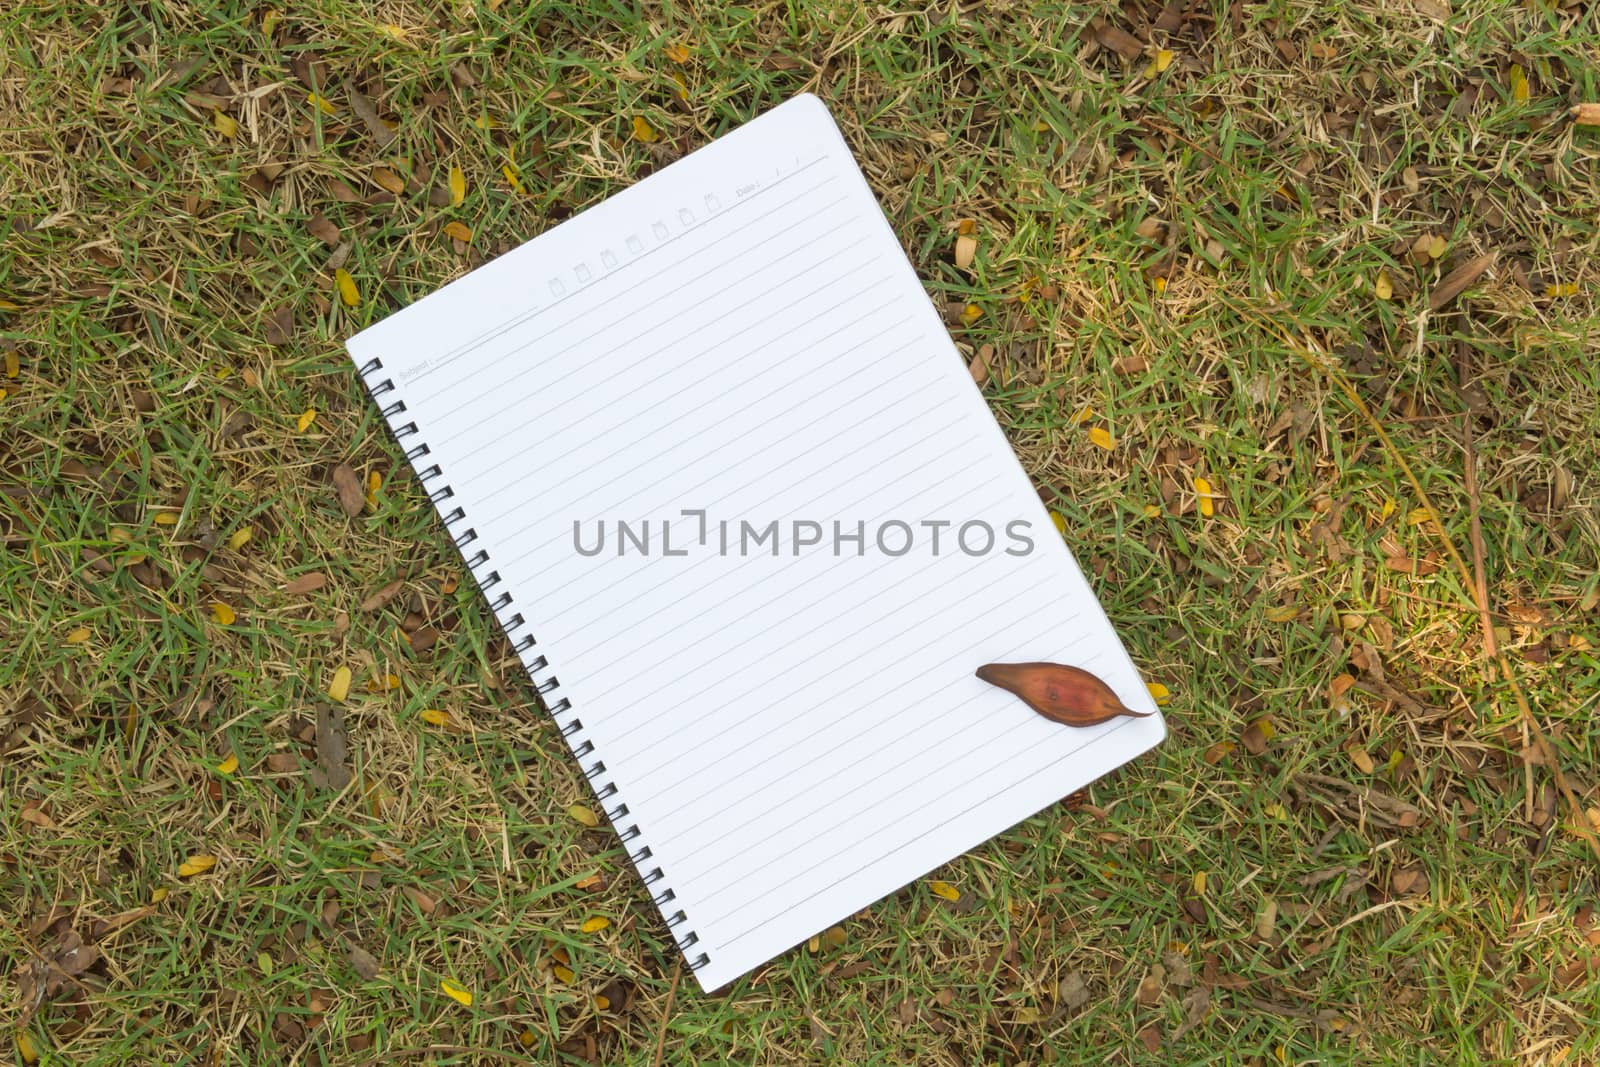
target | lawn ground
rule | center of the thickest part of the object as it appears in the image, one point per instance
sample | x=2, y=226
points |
x=1215, y=238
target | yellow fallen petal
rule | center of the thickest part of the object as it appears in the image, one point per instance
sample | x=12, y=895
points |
x=1160, y=284
x=1151, y=511
x=945, y=891
x=643, y=131
x=1060, y=522
x=383, y=683
x=971, y=314
x=240, y=537
x=159, y=895
x=458, y=187
x=1163, y=59
x=564, y=974
x=339, y=687
x=1159, y=693
x=226, y=124
x=222, y=613
x=1420, y=516
x=347, y=287
x=1199, y=883
x=601, y=1002
x=199, y=863
x=1084, y=415
x=595, y=924
x=166, y=518
x=435, y=717
x=78, y=636
x=229, y=765
x=513, y=176
x=269, y=20
x=303, y=423
x=1102, y=437
x=583, y=815
x=1550, y=291
x=1202, y=489
x=26, y=1049
x=14, y=364
x=1519, y=84
x=678, y=52
x=1282, y=612
x=390, y=30
x=1383, y=288
x=459, y=231
x=455, y=992
x=321, y=104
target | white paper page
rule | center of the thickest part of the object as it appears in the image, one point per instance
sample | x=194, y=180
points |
x=740, y=335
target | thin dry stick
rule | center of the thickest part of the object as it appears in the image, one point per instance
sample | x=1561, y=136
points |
x=1547, y=751
x=1480, y=583
x=666, y=1013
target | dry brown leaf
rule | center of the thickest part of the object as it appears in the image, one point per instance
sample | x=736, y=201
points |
x=352, y=497
x=1119, y=41
x=1586, y=114
x=1361, y=758
x=332, y=748
x=383, y=596
x=283, y=762
x=279, y=325
x=966, y=251
x=367, y=112
x=323, y=229
x=342, y=192
x=305, y=583
x=388, y=180
x=424, y=638
x=425, y=902
x=1068, y=695
x=979, y=367
x=364, y=962
x=1126, y=365
x=1457, y=281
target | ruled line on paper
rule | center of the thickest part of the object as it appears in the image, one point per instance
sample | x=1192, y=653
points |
x=671, y=371
x=549, y=383
x=653, y=432
x=942, y=777
x=768, y=628
x=597, y=513
x=678, y=574
x=833, y=665
x=852, y=713
x=519, y=320
x=523, y=502
x=835, y=668
x=1012, y=783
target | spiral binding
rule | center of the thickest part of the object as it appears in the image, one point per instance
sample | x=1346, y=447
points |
x=545, y=683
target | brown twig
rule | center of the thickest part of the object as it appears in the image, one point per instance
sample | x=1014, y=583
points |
x=666, y=1014
x=1480, y=582
x=1546, y=750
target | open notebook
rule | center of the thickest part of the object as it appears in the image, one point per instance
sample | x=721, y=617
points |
x=725, y=481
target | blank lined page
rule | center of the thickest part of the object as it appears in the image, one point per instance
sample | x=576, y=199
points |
x=725, y=465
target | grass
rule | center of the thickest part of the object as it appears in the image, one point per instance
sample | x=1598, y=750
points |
x=1386, y=878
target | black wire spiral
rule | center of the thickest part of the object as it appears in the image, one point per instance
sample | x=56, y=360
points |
x=502, y=604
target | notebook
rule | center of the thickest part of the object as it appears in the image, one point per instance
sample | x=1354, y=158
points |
x=731, y=492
